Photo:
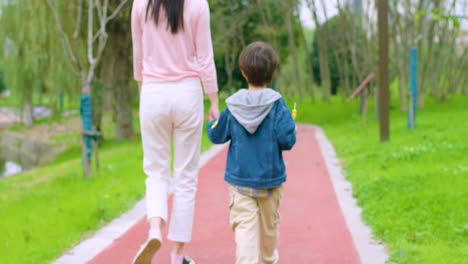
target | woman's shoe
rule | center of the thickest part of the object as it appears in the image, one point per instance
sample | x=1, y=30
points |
x=147, y=251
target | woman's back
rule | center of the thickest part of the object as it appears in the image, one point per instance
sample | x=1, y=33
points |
x=161, y=56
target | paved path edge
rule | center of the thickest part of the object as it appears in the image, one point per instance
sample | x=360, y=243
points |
x=91, y=247
x=370, y=252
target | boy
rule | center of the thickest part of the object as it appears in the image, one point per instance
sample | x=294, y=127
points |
x=260, y=127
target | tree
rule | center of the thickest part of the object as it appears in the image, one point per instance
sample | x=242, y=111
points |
x=98, y=16
x=345, y=59
x=25, y=51
x=236, y=23
x=229, y=19
x=117, y=71
x=292, y=45
x=321, y=39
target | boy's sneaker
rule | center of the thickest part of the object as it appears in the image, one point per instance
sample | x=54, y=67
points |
x=187, y=260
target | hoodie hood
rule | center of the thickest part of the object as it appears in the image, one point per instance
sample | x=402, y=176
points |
x=251, y=107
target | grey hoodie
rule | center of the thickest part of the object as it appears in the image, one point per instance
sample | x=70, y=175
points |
x=251, y=107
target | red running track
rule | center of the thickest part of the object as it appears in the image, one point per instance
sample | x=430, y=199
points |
x=312, y=228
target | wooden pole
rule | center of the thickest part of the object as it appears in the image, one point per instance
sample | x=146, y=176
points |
x=384, y=93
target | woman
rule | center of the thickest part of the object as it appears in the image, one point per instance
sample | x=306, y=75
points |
x=172, y=53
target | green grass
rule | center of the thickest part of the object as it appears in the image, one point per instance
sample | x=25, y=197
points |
x=46, y=210
x=49, y=209
x=414, y=188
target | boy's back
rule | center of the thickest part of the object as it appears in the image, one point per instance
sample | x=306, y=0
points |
x=260, y=127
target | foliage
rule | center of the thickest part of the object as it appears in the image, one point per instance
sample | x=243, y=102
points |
x=237, y=23
x=30, y=58
x=334, y=47
x=286, y=80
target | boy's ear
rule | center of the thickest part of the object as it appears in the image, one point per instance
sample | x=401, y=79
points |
x=243, y=74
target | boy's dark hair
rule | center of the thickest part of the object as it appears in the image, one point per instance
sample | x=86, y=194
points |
x=258, y=62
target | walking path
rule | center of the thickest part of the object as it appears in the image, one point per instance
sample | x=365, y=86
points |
x=320, y=222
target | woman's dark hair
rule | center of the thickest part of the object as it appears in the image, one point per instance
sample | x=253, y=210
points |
x=174, y=11
x=258, y=62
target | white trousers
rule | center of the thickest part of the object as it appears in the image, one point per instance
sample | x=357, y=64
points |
x=172, y=111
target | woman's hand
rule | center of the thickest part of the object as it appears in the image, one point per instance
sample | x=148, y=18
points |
x=214, y=108
x=214, y=112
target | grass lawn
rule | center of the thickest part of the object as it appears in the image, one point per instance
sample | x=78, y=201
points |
x=47, y=210
x=414, y=188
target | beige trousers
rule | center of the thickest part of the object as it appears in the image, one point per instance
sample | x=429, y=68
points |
x=255, y=224
x=172, y=112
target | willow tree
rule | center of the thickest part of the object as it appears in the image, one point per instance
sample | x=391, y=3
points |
x=27, y=53
x=93, y=17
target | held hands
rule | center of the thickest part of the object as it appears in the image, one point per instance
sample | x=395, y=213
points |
x=214, y=112
x=214, y=108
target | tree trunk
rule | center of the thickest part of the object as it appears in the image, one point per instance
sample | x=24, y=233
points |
x=97, y=92
x=310, y=72
x=402, y=84
x=400, y=49
x=293, y=51
x=229, y=69
x=324, y=66
x=323, y=38
x=427, y=67
x=323, y=54
x=119, y=49
x=123, y=110
x=28, y=110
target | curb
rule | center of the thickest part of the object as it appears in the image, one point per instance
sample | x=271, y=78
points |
x=369, y=251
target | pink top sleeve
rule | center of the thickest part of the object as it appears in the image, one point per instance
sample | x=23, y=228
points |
x=204, y=50
x=137, y=34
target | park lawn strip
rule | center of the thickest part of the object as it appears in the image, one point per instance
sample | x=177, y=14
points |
x=47, y=210
x=413, y=189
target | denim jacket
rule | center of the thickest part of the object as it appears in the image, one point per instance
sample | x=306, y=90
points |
x=260, y=127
